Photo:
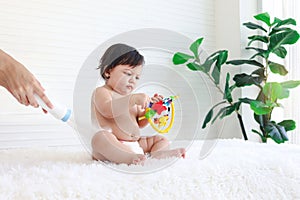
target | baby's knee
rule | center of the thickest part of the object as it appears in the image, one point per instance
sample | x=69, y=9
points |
x=162, y=139
x=99, y=137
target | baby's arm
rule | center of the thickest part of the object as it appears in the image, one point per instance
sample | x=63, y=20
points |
x=111, y=107
x=107, y=106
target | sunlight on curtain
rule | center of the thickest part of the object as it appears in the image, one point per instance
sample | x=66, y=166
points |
x=284, y=9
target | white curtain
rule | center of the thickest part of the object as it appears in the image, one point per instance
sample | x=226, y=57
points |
x=284, y=9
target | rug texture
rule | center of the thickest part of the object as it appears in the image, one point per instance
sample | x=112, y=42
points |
x=234, y=169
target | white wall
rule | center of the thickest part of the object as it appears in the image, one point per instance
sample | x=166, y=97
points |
x=231, y=35
x=228, y=36
x=53, y=39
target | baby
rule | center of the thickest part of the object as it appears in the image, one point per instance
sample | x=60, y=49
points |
x=117, y=112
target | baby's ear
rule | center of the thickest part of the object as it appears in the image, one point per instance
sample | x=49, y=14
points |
x=107, y=75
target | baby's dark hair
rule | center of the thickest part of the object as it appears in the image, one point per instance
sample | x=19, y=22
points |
x=119, y=54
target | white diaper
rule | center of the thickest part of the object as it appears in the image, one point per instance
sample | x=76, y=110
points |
x=134, y=146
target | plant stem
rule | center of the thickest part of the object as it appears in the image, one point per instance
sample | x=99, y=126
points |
x=242, y=125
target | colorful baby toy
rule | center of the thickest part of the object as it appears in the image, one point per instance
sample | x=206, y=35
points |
x=161, y=114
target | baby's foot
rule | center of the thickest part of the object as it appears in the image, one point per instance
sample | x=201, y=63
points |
x=139, y=159
x=179, y=153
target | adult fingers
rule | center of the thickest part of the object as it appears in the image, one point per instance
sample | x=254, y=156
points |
x=39, y=90
x=23, y=98
x=32, y=100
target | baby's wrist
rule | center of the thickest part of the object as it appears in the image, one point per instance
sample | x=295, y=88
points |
x=131, y=100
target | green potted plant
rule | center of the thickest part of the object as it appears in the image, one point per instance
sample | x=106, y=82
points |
x=271, y=41
x=211, y=67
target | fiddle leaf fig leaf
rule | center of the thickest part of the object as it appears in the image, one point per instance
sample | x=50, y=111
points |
x=210, y=113
x=276, y=20
x=222, y=57
x=273, y=91
x=260, y=72
x=278, y=30
x=208, y=117
x=195, y=47
x=288, y=21
x=280, y=52
x=288, y=125
x=227, y=92
x=290, y=84
x=261, y=52
x=180, y=58
x=227, y=111
x=253, y=38
x=285, y=88
x=277, y=68
x=223, y=112
x=241, y=62
x=194, y=67
x=260, y=108
x=264, y=17
x=216, y=74
x=253, y=26
x=276, y=132
x=282, y=38
x=243, y=79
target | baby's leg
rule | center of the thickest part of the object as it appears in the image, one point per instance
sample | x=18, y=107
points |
x=179, y=153
x=154, y=143
x=158, y=147
x=107, y=147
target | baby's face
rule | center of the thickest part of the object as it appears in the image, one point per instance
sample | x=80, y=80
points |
x=123, y=78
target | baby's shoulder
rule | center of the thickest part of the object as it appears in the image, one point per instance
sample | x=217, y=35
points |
x=101, y=88
x=101, y=91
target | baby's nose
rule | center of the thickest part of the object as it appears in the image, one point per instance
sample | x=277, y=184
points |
x=132, y=80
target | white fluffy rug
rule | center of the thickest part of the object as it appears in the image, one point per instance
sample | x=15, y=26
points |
x=235, y=169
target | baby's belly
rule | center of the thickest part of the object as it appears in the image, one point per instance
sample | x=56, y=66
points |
x=125, y=135
x=124, y=128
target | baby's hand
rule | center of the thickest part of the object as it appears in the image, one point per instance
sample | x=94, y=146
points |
x=140, y=99
x=156, y=98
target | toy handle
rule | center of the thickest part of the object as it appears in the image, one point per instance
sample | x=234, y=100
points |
x=144, y=117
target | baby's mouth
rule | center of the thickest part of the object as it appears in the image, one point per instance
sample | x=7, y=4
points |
x=129, y=87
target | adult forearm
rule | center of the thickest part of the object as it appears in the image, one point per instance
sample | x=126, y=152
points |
x=3, y=67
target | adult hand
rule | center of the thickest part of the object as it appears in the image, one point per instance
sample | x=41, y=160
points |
x=20, y=82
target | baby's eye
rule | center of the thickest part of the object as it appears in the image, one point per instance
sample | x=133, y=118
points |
x=127, y=73
x=137, y=78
